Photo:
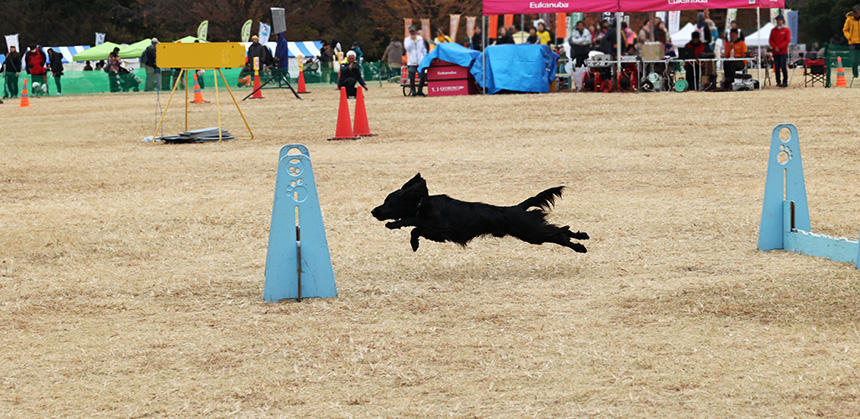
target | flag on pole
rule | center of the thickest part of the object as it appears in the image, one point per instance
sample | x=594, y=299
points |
x=470, y=26
x=246, y=30
x=100, y=38
x=455, y=23
x=203, y=30
x=12, y=41
x=407, y=22
x=509, y=21
x=425, y=29
x=265, y=30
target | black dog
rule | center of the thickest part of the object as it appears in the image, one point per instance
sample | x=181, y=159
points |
x=441, y=218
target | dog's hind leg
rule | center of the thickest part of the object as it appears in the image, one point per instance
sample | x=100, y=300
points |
x=413, y=240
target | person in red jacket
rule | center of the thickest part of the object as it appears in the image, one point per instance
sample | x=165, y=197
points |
x=780, y=37
x=36, y=64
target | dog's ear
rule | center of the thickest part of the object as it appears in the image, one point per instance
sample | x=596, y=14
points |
x=418, y=188
x=415, y=180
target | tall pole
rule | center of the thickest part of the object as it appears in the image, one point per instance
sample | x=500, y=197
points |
x=522, y=23
x=758, y=47
x=484, y=53
x=618, y=46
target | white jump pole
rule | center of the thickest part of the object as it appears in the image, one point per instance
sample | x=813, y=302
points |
x=758, y=47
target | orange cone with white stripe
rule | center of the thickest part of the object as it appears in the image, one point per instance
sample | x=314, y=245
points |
x=25, y=98
x=840, y=73
x=198, y=95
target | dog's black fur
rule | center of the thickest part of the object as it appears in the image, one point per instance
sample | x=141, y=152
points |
x=441, y=218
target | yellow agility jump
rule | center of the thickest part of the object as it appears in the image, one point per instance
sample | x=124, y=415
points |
x=207, y=56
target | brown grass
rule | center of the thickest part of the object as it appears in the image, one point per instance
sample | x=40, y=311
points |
x=131, y=274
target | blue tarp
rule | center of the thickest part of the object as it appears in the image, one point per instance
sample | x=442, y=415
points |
x=452, y=53
x=517, y=68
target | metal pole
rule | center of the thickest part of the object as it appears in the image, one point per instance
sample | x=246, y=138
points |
x=522, y=23
x=484, y=54
x=618, y=47
x=758, y=47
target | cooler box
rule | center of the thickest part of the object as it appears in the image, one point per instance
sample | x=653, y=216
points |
x=447, y=79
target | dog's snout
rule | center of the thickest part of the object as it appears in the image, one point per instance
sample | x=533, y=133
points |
x=375, y=212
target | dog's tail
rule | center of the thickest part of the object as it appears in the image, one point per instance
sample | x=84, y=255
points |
x=543, y=200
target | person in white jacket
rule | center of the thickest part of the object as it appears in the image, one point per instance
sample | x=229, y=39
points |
x=579, y=43
x=416, y=49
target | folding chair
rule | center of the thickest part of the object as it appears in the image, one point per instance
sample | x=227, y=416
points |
x=814, y=71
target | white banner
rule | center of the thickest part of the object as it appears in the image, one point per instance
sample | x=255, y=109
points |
x=203, y=30
x=674, y=21
x=731, y=14
x=100, y=38
x=265, y=30
x=661, y=16
x=470, y=26
x=12, y=41
x=455, y=23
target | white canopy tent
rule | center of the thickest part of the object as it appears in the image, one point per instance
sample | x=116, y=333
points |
x=753, y=39
x=680, y=38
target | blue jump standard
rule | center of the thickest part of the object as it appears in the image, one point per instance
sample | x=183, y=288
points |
x=785, y=212
x=298, y=263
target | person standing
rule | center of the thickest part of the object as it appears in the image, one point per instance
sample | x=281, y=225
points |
x=148, y=61
x=258, y=50
x=851, y=30
x=359, y=54
x=477, y=40
x=393, y=56
x=56, y=63
x=544, y=36
x=12, y=67
x=37, y=67
x=112, y=68
x=282, y=55
x=350, y=74
x=416, y=49
x=780, y=37
x=580, y=44
x=504, y=37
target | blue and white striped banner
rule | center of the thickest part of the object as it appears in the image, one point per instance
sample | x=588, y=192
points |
x=305, y=48
x=68, y=52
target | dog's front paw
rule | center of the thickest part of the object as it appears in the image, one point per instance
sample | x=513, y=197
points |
x=414, y=242
x=578, y=248
x=393, y=225
x=580, y=235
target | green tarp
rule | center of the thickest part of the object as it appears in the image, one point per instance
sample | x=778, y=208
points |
x=134, y=50
x=96, y=53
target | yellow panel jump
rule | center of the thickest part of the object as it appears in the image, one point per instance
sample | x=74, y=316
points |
x=201, y=56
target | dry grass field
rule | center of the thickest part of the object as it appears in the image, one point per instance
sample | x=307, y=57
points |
x=131, y=273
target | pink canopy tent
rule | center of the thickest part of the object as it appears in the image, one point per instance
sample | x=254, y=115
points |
x=498, y=7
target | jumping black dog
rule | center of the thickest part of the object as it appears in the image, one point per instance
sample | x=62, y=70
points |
x=441, y=218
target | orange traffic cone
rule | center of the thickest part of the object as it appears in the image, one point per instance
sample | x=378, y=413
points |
x=302, y=88
x=840, y=73
x=258, y=92
x=25, y=98
x=360, y=128
x=343, y=130
x=198, y=95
